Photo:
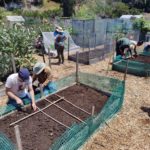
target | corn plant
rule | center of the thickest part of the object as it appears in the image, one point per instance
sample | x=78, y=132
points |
x=19, y=42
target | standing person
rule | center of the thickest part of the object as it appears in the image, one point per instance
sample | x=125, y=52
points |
x=125, y=43
x=59, y=42
x=18, y=87
x=58, y=31
x=42, y=75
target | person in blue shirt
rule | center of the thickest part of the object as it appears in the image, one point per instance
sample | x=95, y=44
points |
x=59, y=44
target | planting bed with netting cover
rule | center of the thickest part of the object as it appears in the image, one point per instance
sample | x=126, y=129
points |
x=69, y=115
x=139, y=66
x=92, y=56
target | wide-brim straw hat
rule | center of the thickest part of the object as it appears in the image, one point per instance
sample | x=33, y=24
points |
x=59, y=29
x=38, y=67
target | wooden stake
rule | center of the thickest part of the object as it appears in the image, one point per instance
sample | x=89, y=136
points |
x=93, y=110
x=13, y=63
x=126, y=69
x=68, y=46
x=18, y=138
x=77, y=67
x=49, y=57
x=41, y=90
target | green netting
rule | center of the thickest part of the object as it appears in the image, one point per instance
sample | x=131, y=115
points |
x=134, y=67
x=5, y=143
x=79, y=133
x=60, y=84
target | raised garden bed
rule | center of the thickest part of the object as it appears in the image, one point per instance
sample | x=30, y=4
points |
x=91, y=56
x=139, y=66
x=38, y=132
x=142, y=58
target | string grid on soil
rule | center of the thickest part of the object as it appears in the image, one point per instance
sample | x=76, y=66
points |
x=39, y=132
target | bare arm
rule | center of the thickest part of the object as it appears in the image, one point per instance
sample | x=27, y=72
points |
x=32, y=97
x=13, y=96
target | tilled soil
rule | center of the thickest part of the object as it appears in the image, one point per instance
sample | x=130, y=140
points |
x=39, y=131
x=142, y=58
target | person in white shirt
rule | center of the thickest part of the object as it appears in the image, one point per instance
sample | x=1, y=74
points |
x=19, y=86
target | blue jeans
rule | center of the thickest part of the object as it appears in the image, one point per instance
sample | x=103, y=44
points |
x=50, y=88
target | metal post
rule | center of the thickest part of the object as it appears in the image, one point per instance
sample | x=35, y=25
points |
x=68, y=46
x=13, y=63
x=77, y=67
x=18, y=138
x=49, y=57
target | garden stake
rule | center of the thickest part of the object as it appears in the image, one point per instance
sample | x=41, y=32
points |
x=77, y=67
x=35, y=112
x=73, y=104
x=18, y=138
x=53, y=118
x=41, y=90
x=65, y=111
x=126, y=70
x=49, y=57
x=13, y=63
x=93, y=110
x=68, y=46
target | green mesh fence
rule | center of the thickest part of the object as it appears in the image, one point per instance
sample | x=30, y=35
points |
x=60, y=84
x=134, y=67
x=75, y=137
x=5, y=143
x=79, y=133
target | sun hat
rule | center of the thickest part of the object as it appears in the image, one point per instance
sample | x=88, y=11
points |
x=38, y=67
x=132, y=46
x=24, y=74
x=59, y=29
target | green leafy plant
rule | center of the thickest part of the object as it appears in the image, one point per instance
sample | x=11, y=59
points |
x=19, y=42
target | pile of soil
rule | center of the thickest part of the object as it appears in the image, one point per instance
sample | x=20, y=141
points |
x=39, y=132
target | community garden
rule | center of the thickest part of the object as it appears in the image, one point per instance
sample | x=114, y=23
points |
x=87, y=97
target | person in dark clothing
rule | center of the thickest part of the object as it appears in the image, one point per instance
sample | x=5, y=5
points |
x=125, y=43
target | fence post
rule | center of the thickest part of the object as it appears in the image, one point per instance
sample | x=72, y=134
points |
x=41, y=90
x=77, y=67
x=68, y=46
x=49, y=57
x=18, y=138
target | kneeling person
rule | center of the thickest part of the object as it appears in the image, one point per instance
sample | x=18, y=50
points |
x=18, y=87
x=42, y=75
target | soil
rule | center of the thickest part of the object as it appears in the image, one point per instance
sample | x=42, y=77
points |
x=39, y=132
x=141, y=58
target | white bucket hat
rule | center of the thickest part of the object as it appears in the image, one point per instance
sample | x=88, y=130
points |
x=38, y=67
x=59, y=29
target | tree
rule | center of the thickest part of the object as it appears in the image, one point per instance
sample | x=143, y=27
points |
x=68, y=7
